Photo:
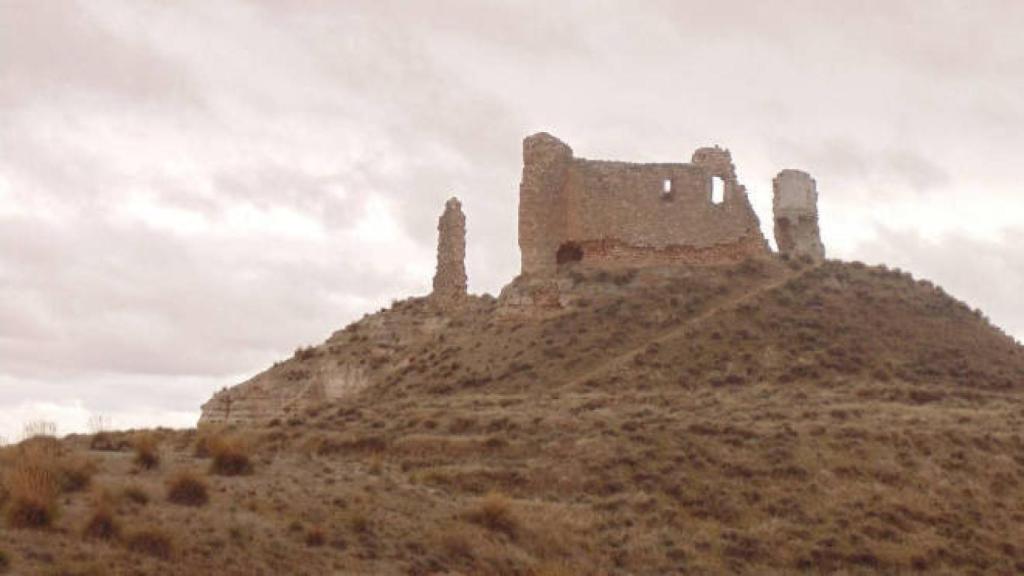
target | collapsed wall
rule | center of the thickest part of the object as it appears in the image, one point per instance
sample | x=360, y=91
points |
x=607, y=214
x=795, y=207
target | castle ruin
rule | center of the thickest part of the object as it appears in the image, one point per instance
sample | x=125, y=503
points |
x=609, y=214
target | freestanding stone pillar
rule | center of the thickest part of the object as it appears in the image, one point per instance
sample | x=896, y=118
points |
x=450, y=278
x=795, y=204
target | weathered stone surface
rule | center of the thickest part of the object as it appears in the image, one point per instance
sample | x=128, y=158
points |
x=795, y=205
x=609, y=214
x=450, y=277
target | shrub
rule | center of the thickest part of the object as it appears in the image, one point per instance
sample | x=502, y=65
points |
x=76, y=569
x=187, y=489
x=230, y=457
x=494, y=512
x=147, y=455
x=152, y=542
x=32, y=488
x=102, y=525
x=5, y=562
x=75, y=474
x=136, y=495
x=315, y=537
x=103, y=442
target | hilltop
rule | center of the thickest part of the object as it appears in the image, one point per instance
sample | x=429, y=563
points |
x=771, y=416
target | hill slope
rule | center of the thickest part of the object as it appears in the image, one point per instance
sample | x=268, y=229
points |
x=763, y=418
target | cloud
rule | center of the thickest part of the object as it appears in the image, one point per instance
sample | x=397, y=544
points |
x=190, y=190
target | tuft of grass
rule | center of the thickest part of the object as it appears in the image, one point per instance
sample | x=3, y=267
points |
x=230, y=456
x=315, y=537
x=151, y=542
x=32, y=488
x=136, y=495
x=147, y=450
x=494, y=512
x=75, y=474
x=102, y=525
x=187, y=489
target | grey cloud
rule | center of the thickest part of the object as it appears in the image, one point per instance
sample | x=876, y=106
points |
x=331, y=109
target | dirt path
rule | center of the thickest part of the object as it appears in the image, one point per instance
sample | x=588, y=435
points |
x=688, y=325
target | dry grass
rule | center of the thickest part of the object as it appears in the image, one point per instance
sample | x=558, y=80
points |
x=846, y=421
x=187, y=489
x=102, y=524
x=147, y=450
x=315, y=537
x=75, y=473
x=151, y=542
x=32, y=484
x=230, y=456
x=136, y=495
x=494, y=512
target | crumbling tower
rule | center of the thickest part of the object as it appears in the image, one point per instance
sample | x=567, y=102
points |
x=795, y=204
x=450, y=277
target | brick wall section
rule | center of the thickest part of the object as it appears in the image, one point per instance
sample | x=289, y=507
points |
x=619, y=213
x=795, y=207
x=450, y=277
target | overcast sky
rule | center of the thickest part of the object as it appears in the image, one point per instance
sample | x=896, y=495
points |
x=190, y=190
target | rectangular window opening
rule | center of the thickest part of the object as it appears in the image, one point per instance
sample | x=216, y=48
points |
x=717, y=190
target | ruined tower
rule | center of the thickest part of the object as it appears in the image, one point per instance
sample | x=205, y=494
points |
x=795, y=204
x=450, y=277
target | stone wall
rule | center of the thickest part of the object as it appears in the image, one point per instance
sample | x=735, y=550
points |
x=606, y=214
x=450, y=277
x=795, y=207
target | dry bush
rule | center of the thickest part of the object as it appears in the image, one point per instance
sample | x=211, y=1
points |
x=554, y=569
x=457, y=544
x=75, y=473
x=32, y=487
x=151, y=542
x=108, y=442
x=5, y=562
x=230, y=456
x=315, y=537
x=187, y=489
x=136, y=495
x=494, y=512
x=76, y=569
x=102, y=524
x=147, y=450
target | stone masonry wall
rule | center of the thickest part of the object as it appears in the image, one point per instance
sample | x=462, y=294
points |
x=795, y=207
x=450, y=277
x=603, y=213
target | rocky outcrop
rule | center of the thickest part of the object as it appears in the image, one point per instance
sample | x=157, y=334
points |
x=795, y=204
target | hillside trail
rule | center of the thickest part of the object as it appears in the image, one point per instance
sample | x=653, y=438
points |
x=688, y=325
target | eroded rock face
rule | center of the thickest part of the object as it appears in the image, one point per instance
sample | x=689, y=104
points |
x=352, y=360
x=450, y=277
x=795, y=204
